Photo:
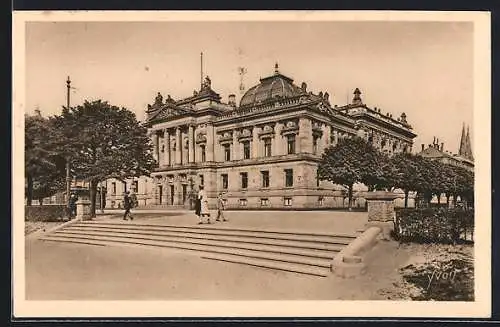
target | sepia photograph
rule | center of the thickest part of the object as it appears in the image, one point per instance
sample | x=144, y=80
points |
x=251, y=164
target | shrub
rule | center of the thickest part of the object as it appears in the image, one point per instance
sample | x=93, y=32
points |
x=434, y=225
x=49, y=212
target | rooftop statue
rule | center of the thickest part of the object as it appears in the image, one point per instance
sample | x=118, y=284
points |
x=207, y=83
x=159, y=99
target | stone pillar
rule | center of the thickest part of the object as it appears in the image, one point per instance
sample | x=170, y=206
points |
x=155, y=146
x=255, y=142
x=166, y=142
x=277, y=145
x=305, y=136
x=381, y=211
x=191, y=143
x=236, y=147
x=83, y=209
x=178, y=146
x=209, y=150
x=326, y=137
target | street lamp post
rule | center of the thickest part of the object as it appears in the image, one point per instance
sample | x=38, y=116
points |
x=68, y=167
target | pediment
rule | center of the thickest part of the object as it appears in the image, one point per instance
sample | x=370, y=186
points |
x=170, y=111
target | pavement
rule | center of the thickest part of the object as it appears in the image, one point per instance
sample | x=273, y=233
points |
x=64, y=271
x=305, y=221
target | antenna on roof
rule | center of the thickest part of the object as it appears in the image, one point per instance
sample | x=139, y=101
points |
x=201, y=70
x=242, y=71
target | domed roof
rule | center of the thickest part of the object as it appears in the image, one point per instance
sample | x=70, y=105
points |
x=271, y=87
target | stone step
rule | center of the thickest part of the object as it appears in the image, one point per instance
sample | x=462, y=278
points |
x=219, y=230
x=215, y=237
x=269, y=264
x=275, y=248
x=247, y=253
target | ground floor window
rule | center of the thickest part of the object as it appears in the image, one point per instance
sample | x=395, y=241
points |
x=287, y=201
x=264, y=202
x=243, y=202
x=321, y=200
x=288, y=177
x=224, y=181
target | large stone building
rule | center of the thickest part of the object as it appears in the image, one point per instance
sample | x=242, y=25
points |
x=464, y=158
x=262, y=153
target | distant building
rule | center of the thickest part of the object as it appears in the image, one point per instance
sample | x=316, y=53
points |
x=464, y=158
x=262, y=153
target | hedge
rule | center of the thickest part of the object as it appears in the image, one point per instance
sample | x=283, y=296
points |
x=50, y=212
x=434, y=225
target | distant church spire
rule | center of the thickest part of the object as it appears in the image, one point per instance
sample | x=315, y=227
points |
x=468, y=146
x=465, y=150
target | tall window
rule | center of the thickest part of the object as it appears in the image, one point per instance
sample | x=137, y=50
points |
x=202, y=180
x=265, y=178
x=136, y=186
x=246, y=150
x=291, y=143
x=288, y=177
x=227, y=152
x=203, y=154
x=267, y=147
x=113, y=186
x=315, y=144
x=224, y=181
x=244, y=180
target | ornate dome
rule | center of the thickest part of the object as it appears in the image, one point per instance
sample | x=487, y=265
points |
x=271, y=87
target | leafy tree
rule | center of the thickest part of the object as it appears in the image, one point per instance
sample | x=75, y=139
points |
x=352, y=160
x=43, y=169
x=104, y=141
x=409, y=174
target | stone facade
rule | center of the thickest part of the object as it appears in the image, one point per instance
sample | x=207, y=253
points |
x=261, y=154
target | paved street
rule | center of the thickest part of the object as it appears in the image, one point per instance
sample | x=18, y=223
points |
x=314, y=221
x=58, y=271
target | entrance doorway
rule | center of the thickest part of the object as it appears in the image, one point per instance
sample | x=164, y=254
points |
x=184, y=193
x=160, y=193
x=171, y=194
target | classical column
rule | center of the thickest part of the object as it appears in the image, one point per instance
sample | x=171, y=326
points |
x=191, y=143
x=236, y=147
x=155, y=145
x=305, y=135
x=166, y=142
x=326, y=136
x=209, y=150
x=178, y=146
x=278, y=147
x=255, y=142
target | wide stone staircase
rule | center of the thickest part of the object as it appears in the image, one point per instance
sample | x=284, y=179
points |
x=308, y=253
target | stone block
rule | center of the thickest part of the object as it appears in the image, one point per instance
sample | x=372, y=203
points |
x=83, y=209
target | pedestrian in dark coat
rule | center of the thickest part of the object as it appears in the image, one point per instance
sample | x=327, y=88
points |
x=127, y=204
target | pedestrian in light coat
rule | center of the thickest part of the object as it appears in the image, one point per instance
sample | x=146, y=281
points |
x=221, y=206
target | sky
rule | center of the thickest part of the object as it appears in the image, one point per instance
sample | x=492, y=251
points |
x=424, y=69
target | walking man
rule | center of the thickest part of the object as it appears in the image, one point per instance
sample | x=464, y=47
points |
x=220, y=208
x=127, y=204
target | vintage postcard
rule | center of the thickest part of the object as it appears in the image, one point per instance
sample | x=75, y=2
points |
x=251, y=164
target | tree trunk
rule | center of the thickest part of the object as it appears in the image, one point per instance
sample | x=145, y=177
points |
x=29, y=191
x=439, y=198
x=93, y=194
x=40, y=201
x=406, y=198
x=447, y=200
x=350, y=197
